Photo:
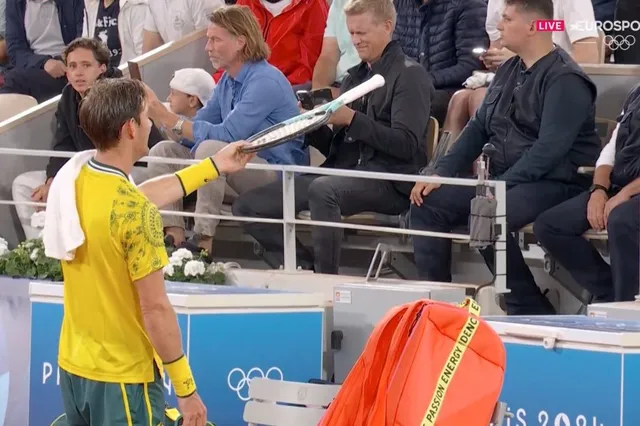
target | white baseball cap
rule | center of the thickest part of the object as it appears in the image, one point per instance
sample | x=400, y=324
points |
x=195, y=82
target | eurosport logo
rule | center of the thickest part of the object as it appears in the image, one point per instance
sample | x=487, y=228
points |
x=239, y=382
x=619, y=42
x=605, y=26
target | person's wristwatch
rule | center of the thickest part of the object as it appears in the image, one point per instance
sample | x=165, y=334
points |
x=595, y=187
x=177, y=128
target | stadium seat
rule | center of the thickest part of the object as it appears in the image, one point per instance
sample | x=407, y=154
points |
x=12, y=104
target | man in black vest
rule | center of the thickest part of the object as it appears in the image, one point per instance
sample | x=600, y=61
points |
x=612, y=203
x=539, y=113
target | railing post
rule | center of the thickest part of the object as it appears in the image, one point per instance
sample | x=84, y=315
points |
x=289, y=215
x=501, y=243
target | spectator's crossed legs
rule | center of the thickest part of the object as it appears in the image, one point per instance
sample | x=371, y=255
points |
x=448, y=208
x=559, y=230
x=328, y=198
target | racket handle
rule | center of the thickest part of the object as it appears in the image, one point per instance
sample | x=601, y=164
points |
x=362, y=89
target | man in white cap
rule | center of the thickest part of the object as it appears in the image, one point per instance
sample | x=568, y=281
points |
x=191, y=89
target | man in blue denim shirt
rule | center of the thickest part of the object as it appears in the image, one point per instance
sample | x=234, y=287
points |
x=251, y=96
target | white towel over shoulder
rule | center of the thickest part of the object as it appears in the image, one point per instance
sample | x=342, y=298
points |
x=62, y=233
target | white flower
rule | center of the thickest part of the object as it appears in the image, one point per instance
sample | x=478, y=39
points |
x=34, y=254
x=168, y=270
x=38, y=219
x=175, y=261
x=194, y=268
x=29, y=245
x=181, y=254
x=216, y=267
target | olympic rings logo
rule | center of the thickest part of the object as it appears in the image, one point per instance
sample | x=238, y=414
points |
x=619, y=42
x=238, y=380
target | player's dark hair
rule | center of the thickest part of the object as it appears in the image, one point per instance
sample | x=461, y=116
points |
x=100, y=52
x=543, y=8
x=107, y=106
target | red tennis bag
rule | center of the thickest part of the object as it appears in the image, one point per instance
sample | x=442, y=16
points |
x=425, y=364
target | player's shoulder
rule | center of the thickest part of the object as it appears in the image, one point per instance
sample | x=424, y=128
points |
x=133, y=215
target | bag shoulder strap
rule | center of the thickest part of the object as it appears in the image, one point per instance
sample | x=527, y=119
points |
x=453, y=361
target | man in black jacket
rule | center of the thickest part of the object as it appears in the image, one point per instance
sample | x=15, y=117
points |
x=86, y=61
x=612, y=203
x=540, y=145
x=385, y=132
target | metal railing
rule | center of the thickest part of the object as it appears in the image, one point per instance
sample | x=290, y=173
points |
x=289, y=219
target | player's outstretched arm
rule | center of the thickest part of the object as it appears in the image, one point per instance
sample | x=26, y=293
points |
x=166, y=189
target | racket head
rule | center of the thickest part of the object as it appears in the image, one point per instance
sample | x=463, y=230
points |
x=284, y=132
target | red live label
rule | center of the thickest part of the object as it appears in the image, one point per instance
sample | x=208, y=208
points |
x=545, y=25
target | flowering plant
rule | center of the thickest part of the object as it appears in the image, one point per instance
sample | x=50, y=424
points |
x=183, y=266
x=28, y=261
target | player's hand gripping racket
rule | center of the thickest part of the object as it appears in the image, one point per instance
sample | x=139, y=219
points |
x=309, y=121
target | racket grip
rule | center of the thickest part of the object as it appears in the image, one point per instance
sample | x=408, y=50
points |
x=362, y=89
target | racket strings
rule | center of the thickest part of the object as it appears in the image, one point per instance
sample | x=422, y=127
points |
x=289, y=130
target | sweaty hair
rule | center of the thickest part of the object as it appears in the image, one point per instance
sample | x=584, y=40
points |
x=107, y=106
x=382, y=10
x=100, y=52
x=240, y=22
x=543, y=8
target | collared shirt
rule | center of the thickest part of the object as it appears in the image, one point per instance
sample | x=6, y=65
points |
x=42, y=28
x=337, y=28
x=257, y=98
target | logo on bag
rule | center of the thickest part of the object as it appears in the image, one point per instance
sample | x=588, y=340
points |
x=240, y=382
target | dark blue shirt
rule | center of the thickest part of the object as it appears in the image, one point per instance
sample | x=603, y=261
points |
x=257, y=98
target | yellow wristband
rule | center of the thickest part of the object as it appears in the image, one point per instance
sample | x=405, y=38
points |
x=180, y=374
x=197, y=175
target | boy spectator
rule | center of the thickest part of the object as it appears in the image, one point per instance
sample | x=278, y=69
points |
x=86, y=60
x=190, y=90
x=37, y=33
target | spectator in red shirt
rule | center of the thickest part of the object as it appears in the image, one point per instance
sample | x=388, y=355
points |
x=294, y=30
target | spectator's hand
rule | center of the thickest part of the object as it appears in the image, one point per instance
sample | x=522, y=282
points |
x=342, y=117
x=40, y=194
x=614, y=202
x=595, y=210
x=421, y=190
x=494, y=57
x=193, y=411
x=55, y=68
x=301, y=109
x=231, y=159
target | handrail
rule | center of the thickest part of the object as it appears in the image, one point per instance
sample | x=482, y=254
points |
x=289, y=220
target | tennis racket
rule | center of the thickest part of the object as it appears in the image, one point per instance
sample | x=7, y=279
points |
x=309, y=121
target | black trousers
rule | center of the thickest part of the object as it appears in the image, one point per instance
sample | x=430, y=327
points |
x=628, y=10
x=560, y=230
x=328, y=198
x=33, y=82
x=449, y=207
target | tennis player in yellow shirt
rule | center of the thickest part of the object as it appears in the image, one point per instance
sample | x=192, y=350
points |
x=119, y=330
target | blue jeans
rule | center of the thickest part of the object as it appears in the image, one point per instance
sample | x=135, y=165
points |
x=449, y=207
